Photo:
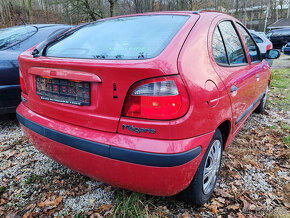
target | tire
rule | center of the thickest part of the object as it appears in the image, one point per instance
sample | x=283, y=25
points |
x=198, y=192
x=261, y=107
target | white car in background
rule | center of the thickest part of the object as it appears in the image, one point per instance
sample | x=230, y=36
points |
x=262, y=41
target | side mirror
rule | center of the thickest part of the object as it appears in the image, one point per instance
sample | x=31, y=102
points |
x=272, y=54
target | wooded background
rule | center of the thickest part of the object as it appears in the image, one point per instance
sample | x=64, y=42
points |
x=255, y=14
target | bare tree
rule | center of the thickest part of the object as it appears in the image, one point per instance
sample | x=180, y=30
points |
x=254, y=13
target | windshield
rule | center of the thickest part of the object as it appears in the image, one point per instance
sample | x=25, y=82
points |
x=138, y=37
x=13, y=35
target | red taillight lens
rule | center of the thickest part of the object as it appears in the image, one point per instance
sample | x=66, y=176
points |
x=160, y=98
x=22, y=84
x=270, y=46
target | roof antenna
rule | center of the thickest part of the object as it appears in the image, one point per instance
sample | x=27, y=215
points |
x=24, y=23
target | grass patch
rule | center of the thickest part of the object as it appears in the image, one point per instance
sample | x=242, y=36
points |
x=279, y=96
x=286, y=140
x=32, y=179
x=79, y=216
x=280, y=89
x=132, y=204
x=285, y=126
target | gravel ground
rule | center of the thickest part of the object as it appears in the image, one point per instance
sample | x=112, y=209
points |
x=29, y=176
x=250, y=182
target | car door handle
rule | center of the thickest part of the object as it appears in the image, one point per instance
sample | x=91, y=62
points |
x=234, y=88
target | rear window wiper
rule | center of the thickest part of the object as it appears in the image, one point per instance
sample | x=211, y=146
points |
x=141, y=55
x=101, y=56
x=58, y=35
x=119, y=56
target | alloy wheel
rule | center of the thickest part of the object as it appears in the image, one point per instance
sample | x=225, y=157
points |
x=211, y=168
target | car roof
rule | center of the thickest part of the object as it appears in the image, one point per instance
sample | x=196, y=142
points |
x=280, y=30
x=202, y=13
x=48, y=25
x=40, y=26
x=170, y=12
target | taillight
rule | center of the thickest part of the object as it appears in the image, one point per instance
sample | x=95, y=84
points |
x=22, y=84
x=270, y=46
x=163, y=98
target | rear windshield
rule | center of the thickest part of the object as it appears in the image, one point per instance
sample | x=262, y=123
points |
x=138, y=37
x=280, y=32
x=13, y=35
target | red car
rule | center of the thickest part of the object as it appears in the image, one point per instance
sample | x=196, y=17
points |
x=146, y=102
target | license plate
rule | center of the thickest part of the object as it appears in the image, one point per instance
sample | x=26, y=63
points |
x=63, y=91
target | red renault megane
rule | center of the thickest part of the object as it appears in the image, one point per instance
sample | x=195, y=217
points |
x=146, y=102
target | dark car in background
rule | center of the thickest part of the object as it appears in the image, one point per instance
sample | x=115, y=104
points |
x=286, y=49
x=279, y=37
x=13, y=41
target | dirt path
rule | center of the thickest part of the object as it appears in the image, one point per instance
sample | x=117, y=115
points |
x=282, y=63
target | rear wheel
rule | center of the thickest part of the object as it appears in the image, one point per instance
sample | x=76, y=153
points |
x=204, y=181
x=261, y=108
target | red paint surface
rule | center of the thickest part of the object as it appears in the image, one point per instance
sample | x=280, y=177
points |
x=189, y=54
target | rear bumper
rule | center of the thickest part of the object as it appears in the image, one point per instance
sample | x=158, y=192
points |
x=157, y=173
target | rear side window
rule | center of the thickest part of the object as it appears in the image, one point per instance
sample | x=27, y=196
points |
x=257, y=38
x=218, y=48
x=252, y=47
x=13, y=35
x=234, y=48
x=138, y=37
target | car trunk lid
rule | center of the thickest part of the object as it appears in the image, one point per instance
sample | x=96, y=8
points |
x=108, y=86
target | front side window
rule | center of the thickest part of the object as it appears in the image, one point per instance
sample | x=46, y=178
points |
x=218, y=48
x=252, y=47
x=13, y=35
x=136, y=37
x=235, y=50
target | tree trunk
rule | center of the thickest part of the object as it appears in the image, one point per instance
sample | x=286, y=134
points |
x=288, y=11
x=266, y=19
x=112, y=4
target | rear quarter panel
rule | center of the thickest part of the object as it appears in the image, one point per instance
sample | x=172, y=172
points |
x=196, y=69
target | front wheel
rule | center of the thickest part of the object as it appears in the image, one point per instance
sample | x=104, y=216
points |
x=204, y=181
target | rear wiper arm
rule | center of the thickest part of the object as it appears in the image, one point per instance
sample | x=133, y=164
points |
x=101, y=56
x=60, y=34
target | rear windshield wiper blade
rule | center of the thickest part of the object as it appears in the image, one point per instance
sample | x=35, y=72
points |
x=101, y=56
x=59, y=34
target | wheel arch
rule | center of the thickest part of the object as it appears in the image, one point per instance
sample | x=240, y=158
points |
x=225, y=128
